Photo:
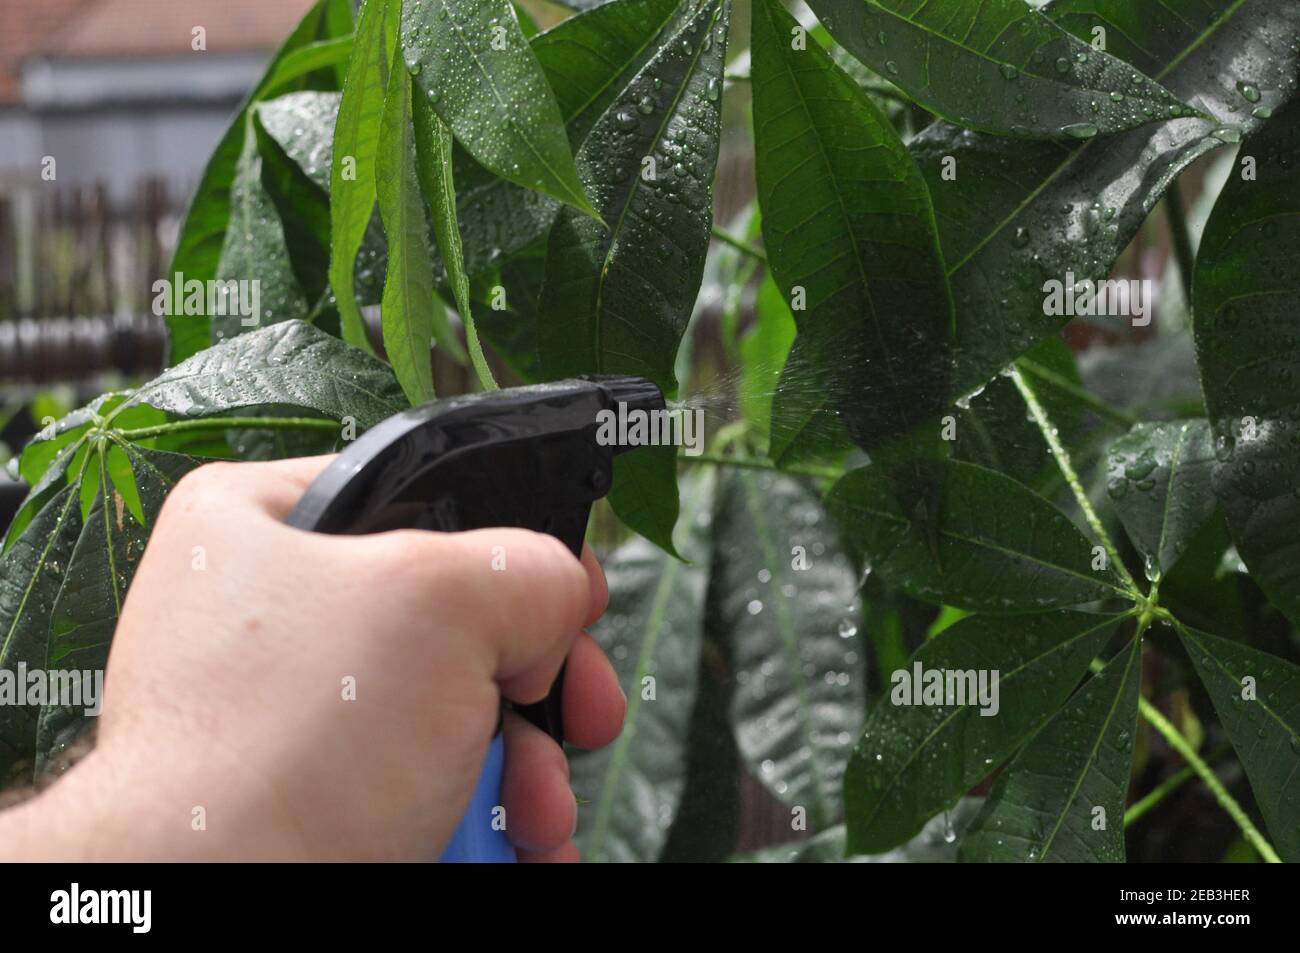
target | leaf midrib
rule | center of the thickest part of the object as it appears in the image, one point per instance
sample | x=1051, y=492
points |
x=1092, y=755
x=608, y=258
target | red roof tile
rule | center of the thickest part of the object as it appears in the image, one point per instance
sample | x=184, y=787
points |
x=135, y=28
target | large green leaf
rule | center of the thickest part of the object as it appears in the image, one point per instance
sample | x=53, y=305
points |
x=1257, y=696
x=914, y=761
x=292, y=363
x=1062, y=797
x=848, y=226
x=300, y=203
x=1245, y=297
x=1159, y=484
x=505, y=310
x=652, y=632
x=617, y=298
x=356, y=141
x=472, y=61
x=202, y=239
x=999, y=547
x=98, y=573
x=30, y=575
x=410, y=306
x=783, y=595
x=1020, y=214
x=255, y=252
x=997, y=65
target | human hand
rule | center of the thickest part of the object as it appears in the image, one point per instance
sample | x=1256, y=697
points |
x=227, y=696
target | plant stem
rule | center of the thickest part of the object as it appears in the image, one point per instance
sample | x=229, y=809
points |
x=224, y=423
x=751, y=463
x=1171, y=784
x=1175, y=739
x=739, y=244
x=1121, y=417
x=1182, y=240
x=1062, y=458
x=736, y=77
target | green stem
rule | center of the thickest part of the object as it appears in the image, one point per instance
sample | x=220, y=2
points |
x=224, y=423
x=739, y=245
x=750, y=463
x=1062, y=458
x=1175, y=739
x=736, y=77
x=1139, y=808
x=1182, y=240
x=1121, y=417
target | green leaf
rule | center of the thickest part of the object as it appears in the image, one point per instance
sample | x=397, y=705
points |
x=356, y=138
x=1045, y=804
x=847, y=223
x=998, y=66
x=1245, y=296
x=763, y=353
x=202, y=239
x=617, y=299
x=291, y=363
x=1159, y=484
x=1000, y=547
x=307, y=59
x=1065, y=210
x=30, y=575
x=652, y=631
x=255, y=253
x=300, y=203
x=472, y=61
x=505, y=310
x=994, y=431
x=410, y=302
x=99, y=571
x=1262, y=719
x=121, y=476
x=784, y=596
x=587, y=58
x=644, y=494
x=914, y=761
x=434, y=172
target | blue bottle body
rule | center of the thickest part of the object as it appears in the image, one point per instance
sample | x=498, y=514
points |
x=476, y=841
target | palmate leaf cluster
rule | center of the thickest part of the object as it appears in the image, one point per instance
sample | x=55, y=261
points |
x=923, y=473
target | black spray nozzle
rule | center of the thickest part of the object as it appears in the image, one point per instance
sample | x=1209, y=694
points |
x=637, y=393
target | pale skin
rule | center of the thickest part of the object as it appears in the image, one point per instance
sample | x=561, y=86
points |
x=225, y=688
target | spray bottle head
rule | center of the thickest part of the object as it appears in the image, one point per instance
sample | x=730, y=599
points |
x=637, y=393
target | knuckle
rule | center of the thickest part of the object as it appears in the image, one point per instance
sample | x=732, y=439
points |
x=194, y=489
